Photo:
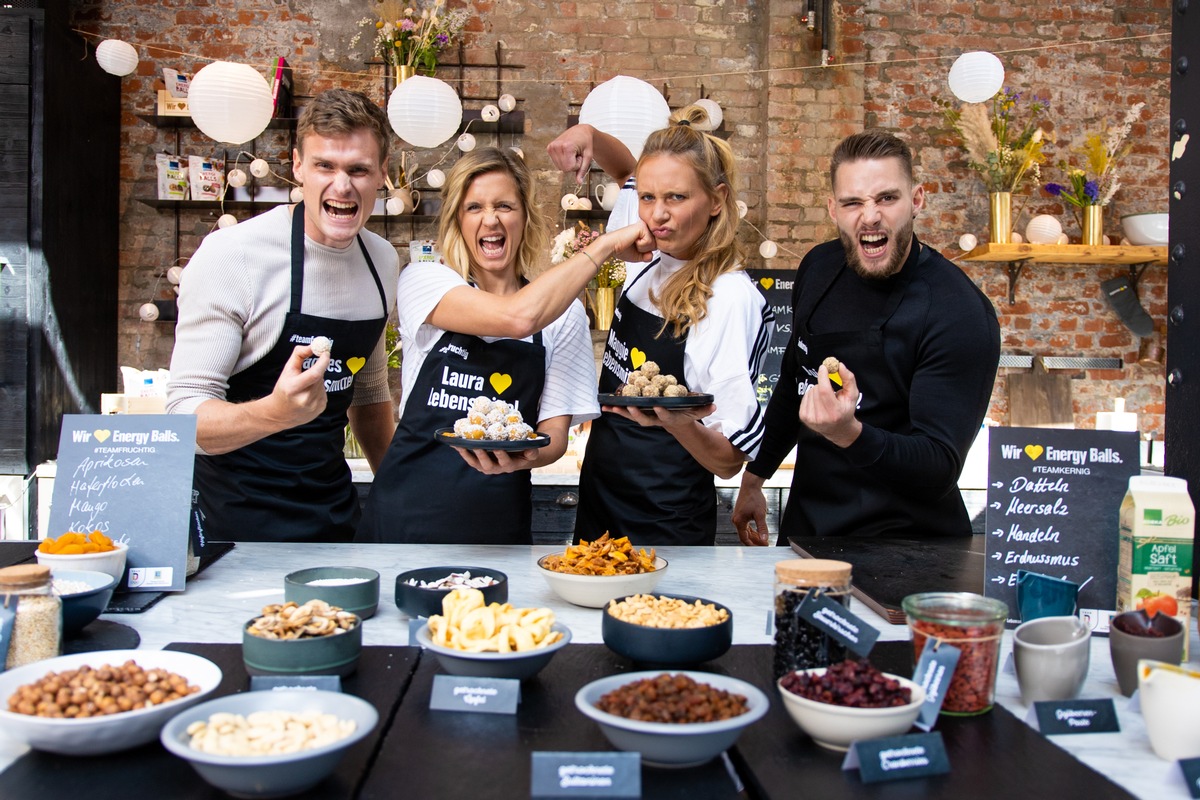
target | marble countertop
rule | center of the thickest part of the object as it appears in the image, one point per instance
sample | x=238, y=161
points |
x=219, y=600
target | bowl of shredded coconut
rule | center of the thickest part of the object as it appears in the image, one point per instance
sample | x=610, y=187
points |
x=84, y=594
x=355, y=589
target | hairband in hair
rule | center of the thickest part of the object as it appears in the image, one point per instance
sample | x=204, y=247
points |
x=687, y=123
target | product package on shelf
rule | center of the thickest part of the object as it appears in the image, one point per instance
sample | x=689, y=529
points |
x=207, y=177
x=172, y=177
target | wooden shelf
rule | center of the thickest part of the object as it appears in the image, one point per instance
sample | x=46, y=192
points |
x=1018, y=255
x=161, y=121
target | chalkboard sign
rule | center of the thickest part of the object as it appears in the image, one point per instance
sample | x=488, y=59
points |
x=1053, y=504
x=776, y=285
x=130, y=477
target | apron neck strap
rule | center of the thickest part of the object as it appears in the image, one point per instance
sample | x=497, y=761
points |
x=297, y=258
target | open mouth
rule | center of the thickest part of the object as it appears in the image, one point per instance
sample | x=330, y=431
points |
x=339, y=209
x=492, y=246
x=873, y=244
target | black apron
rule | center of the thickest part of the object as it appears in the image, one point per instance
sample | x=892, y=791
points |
x=424, y=491
x=295, y=485
x=635, y=481
x=826, y=486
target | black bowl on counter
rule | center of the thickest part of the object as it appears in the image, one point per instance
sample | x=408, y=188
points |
x=667, y=646
x=417, y=602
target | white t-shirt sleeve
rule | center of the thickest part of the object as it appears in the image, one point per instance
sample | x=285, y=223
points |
x=420, y=288
x=722, y=355
x=570, y=386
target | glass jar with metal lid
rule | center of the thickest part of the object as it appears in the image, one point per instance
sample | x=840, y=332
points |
x=31, y=613
x=798, y=643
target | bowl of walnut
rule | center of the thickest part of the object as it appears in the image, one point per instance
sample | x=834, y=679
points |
x=94, y=703
x=310, y=639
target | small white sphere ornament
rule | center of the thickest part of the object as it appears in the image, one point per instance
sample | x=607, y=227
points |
x=489, y=113
x=976, y=76
x=627, y=109
x=175, y=275
x=226, y=221
x=1017, y=238
x=424, y=111
x=148, y=312
x=715, y=114
x=1126, y=243
x=569, y=202
x=518, y=152
x=1105, y=240
x=466, y=142
x=116, y=57
x=742, y=208
x=259, y=168
x=1063, y=239
x=394, y=206
x=768, y=249
x=297, y=194
x=236, y=178
x=1043, y=229
x=230, y=102
x=435, y=178
x=583, y=204
x=968, y=242
x=507, y=103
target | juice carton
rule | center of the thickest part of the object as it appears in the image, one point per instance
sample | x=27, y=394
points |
x=1154, y=569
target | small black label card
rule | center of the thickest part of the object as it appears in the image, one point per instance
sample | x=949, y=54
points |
x=270, y=683
x=914, y=755
x=1057, y=717
x=1191, y=774
x=481, y=695
x=934, y=670
x=836, y=620
x=564, y=774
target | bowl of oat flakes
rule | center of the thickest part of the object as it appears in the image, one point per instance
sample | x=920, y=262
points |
x=84, y=594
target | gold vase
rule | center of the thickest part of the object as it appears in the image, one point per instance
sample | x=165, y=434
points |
x=603, y=303
x=1093, y=225
x=403, y=72
x=1000, y=217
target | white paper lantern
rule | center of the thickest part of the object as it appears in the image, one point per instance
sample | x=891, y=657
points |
x=297, y=194
x=768, y=249
x=1043, y=229
x=742, y=208
x=236, y=178
x=230, y=102
x=975, y=77
x=394, y=206
x=466, y=143
x=424, y=111
x=715, y=115
x=435, y=177
x=627, y=109
x=518, y=152
x=148, y=312
x=489, y=113
x=968, y=242
x=259, y=168
x=226, y=221
x=569, y=202
x=116, y=57
x=507, y=103
x=175, y=275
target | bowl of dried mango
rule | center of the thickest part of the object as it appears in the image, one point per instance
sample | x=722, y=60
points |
x=592, y=573
x=87, y=551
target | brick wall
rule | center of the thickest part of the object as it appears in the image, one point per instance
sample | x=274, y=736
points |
x=786, y=111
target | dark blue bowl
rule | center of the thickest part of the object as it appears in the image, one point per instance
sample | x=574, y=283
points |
x=667, y=646
x=79, y=609
x=417, y=602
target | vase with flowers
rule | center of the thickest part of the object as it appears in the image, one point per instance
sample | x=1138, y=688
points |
x=1090, y=190
x=1005, y=152
x=602, y=290
x=409, y=39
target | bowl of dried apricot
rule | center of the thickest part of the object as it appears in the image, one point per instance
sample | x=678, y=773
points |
x=592, y=573
x=93, y=551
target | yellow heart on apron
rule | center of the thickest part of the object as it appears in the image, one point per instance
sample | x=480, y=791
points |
x=500, y=382
x=1034, y=451
x=766, y=283
x=355, y=364
x=102, y=434
x=637, y=358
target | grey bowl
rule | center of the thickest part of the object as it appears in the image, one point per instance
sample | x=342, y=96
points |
x=359, y=598
x=417, y=602
x=81, y=608
x=1134, y=635
x=336, y=654
x=270, y=776
x=670, y=646
x=668, y=744
x=521, y=665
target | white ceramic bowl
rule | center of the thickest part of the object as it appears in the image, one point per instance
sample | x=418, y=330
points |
x=108, y=734
x=522, y=665
x=112, y=562
x=270, y=776
x=666, y=743
x=594, y=591
x=1146, y=229
x=836, y=727
x=1170, y=696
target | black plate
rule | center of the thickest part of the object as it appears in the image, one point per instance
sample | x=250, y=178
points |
x=446, y=436
x=694, y=400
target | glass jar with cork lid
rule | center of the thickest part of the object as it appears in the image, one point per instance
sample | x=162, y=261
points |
x=30, y=615
x=798, y=643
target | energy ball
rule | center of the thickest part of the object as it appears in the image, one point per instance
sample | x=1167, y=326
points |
x=831, y=365
x=321, y=345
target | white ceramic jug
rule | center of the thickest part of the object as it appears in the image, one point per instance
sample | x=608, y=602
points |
x=606, y=195
x=1170, y=698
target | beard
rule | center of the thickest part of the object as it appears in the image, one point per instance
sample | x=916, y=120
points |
x=899, y=242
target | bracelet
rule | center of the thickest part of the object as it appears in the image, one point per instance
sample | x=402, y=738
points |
x=589, y=258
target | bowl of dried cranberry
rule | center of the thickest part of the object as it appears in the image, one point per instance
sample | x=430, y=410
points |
x=675, y=719
x=850, y=702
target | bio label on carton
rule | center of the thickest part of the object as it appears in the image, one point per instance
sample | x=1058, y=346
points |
x=1154, y=568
